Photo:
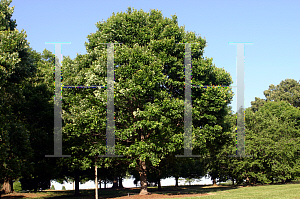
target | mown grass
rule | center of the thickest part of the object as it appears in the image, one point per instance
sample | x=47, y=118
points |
x=257, y=192
x=265, y=192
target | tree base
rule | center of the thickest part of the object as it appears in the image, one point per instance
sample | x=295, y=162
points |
x=143, y=192
x=7, y=186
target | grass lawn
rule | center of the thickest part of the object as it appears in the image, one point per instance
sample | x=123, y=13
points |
x=183, y=192
x=263, y=192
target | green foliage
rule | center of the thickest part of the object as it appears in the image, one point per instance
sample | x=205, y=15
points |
x=274, y=125
x=6, y=22
x=288, y=90
x=52, y=187
x=63, y=188
x=15, y=67
x=37, y=113
x=149, y=92
x=17, y=186
x=26, y=112
x=273, y=140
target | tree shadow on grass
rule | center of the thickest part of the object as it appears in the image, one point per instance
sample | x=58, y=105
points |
x=167, y=190
x=193, y=189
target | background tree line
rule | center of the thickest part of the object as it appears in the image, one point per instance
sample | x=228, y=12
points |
x=149, y=111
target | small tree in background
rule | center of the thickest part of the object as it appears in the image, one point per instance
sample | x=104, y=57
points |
x=63, y=188
x=17, y=186
x=52, y=187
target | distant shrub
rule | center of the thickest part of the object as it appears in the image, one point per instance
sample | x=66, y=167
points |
x=52, y=187
x=63, y=188
x=17, y=186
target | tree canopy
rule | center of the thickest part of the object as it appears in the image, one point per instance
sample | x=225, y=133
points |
x=148, y=91
x=271, y=139
x=288, y=90
x=26, y=111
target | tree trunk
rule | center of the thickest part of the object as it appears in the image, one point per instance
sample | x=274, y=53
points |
x=96, y=182
x=36, y=184
x=214, y=182
x=158, y=185
x=11, y=185
x=105, y=183
x=176, y=181
x=232, y=181
x=100, y=183
x=115, y=182
x=48, y=184
x=120, y=182
x=8, y=186
x=247, y=180
x=158, y=180
x=143, y=177
x=77, y=183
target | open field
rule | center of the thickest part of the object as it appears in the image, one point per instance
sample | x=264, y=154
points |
x=185, y=192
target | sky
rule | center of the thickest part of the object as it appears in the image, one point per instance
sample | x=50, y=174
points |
x=271, y=25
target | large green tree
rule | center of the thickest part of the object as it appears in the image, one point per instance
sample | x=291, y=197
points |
x=26, y=125
x=271, y=140
x=15, y=66
x=148, y=89
x=37, y=113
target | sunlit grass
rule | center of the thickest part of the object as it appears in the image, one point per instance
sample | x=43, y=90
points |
x=264, y=192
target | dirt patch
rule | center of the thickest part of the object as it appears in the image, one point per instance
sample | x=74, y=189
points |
x=22, y=195
x=161, y=196
x=154, y=195
x=157, y=196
